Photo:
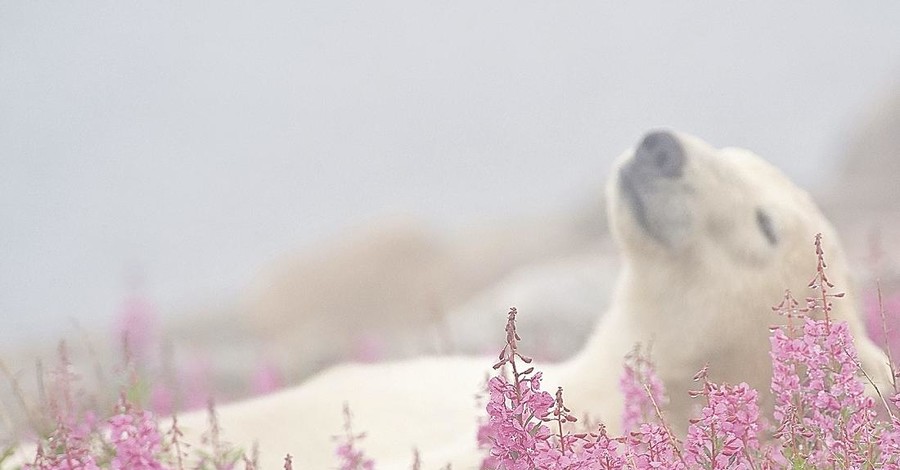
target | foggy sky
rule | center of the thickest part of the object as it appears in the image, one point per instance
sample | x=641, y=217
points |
x=194, y=144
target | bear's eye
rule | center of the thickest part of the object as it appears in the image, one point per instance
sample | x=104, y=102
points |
x=765, y=226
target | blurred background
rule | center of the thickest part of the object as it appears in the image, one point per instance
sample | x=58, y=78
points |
x=253, y=191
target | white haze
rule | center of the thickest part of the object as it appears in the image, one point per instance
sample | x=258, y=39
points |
x=196, y=141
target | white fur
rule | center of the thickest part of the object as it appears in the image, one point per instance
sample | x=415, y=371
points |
x=705, y=297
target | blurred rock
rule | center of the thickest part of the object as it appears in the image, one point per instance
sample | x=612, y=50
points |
x=870, y=171
x=863, y=201
x=559, y=301
x=393, y=288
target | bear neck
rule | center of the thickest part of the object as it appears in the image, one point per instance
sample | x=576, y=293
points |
x=664, y=309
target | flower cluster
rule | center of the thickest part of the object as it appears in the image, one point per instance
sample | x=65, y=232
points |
x=822, y=416
x=725, y=434
x=135, y=437
x=888, y=442
x=69, y=446
x=516, y=409
x=519, y=413
x=66, y=450
x=819, y=400
x=128, y=440
x=652, y=446
x=825, y=417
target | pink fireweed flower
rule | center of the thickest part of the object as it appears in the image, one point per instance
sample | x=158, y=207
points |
x=196, y=381
x=560, y=415
x=162, y=400
x=369, y=348
x=824, y=417
x=67, y=451
x=638, y=376
x=69, y=445
x=349, y=456
x=135, y=437
x=725, y=435
x=600, y=452
x=886, y=333
x=650, y=446
x=889, y=441
x=484, y=434
x=136, y=326
x=515, y=424
x=564, y=451
x=819, y=400
x=516, y=408
x=174, y=444
x=266, y=378
x=61, y=392
x=518, y=416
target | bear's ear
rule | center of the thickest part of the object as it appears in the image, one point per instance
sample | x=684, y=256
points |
x=764, y=222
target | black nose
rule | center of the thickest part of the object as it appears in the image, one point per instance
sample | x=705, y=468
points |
x=661, y=154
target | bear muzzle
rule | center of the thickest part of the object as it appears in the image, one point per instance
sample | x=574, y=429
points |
x=647, y=180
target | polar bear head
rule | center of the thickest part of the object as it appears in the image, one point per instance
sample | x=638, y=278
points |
x=682, y=207
x=677, y=196
x=711, y=238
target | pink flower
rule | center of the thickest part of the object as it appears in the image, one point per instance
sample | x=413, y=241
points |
x=651, y=446
x=725, y=435
x=196, y=380
x=369, y=347
x=515, y=425
x=637, y=377
x=889, y=444
x=874, y=326
x=162, y=400
x=266, y=379
x=67, y=451
x=135, y=437
x=349, y=456
x=819, y=400
x=602, y=451
x=136, y=326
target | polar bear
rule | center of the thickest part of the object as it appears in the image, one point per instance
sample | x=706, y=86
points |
x=710, y=239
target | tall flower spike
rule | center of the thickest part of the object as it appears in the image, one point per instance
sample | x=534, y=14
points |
x=789, y=307
x=821, y=283
x=175, y=444
x=517, y=409
x=511, y=349
x=824, y=417
x=639, y=376
x=560, y=415
x=351, y=457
